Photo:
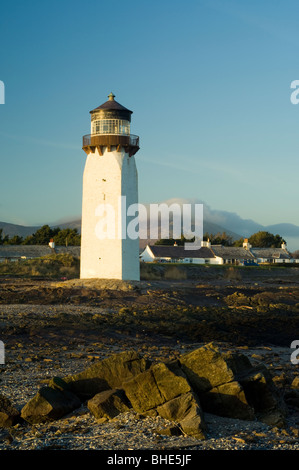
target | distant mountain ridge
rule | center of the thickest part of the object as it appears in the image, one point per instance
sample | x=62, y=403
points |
x=210, y=227
x=23, y=230
x=283, y=229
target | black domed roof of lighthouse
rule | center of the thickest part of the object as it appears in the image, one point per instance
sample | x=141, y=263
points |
x=111, y=105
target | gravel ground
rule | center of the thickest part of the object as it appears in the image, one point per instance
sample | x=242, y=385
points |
x=32, y=361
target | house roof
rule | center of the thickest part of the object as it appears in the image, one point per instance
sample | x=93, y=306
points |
x=231, y=252
x=167, y=251
x=35, y=251
x=277, y=253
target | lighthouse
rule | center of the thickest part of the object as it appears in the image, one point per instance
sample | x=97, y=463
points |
x=110, y=186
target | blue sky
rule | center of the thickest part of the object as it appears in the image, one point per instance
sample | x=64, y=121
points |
x=208, y=82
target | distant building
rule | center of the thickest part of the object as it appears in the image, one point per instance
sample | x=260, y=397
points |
x=171, y=254
x=205, y=254
x=272, y=255
x=216, y=254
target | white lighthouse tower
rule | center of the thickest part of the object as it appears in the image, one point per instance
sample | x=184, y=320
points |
x=109, y=187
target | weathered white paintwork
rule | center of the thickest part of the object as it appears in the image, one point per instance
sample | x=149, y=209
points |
x=106, y=178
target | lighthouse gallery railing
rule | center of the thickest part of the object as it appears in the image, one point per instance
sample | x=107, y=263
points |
x=110, y=139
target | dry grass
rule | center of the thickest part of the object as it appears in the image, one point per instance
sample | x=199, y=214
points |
x=52, y=266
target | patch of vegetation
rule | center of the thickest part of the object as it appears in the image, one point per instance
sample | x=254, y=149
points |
x=52, y=266
x=155, y=272
x=237, y=299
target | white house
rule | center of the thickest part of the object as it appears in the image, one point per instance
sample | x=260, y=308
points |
x=178, y=254
x=216, y=254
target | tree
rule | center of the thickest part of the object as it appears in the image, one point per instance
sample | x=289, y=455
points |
x=265, y=239
x=67, y=237
x=3, y=238
x=171, y=241
x=15, y=240
x=42, y=236
x=219, y=238
x=239, y=242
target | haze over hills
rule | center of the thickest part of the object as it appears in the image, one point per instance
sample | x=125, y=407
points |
x=214, y=221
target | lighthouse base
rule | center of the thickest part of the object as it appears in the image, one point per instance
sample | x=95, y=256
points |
x=109, y=188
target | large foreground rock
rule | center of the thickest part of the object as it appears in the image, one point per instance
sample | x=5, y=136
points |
x=9, y=415
x=221, y=383
x=107, y=374
x=49, y=404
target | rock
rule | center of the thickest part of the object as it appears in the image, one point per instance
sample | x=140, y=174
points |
x=59, y=384
x=186, y=411
x=295, y=383
x=9, y=415
x=263, y=396
x=107, y=374
x=227, y=400
x=207, y=367
x=108, y=404
x=157, y=385
x=49, y=404
x=229, y=385
x=273, y=417
x=292, y=398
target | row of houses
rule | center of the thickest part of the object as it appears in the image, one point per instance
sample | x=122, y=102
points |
x=205, y=254
x=217, y=254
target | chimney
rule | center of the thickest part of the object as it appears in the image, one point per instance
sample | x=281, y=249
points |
x=52, y=243
x=206, y=243
x=284, y=245
x=246, y=244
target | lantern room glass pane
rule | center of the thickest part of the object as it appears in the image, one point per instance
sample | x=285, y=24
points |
x=110, y=126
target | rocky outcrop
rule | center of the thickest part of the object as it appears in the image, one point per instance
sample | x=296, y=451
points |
x=204, y=380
